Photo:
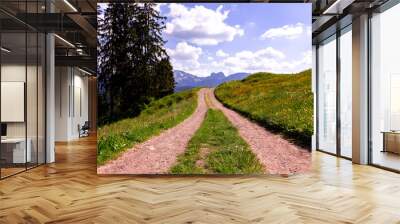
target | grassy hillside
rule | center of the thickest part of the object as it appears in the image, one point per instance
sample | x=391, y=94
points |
x=158, y=116
x=280, y=102
x=217, y=147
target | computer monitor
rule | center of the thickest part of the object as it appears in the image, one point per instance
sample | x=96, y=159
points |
x=3, y=130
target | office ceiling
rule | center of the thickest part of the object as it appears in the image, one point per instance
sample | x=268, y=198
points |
x=328, y=13
x=74, y=22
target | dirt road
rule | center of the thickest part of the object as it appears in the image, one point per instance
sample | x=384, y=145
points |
x=159, y=153
x=278, y=155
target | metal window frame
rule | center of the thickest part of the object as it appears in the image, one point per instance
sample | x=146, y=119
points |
x=318, y=92
x=387, y=5
x=338, y=94
x=339, y=32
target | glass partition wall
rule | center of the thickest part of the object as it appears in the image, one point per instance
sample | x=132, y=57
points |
x=327, y=95
x=385, y=89
x=345, y=62
x=334, y=94
x=22, y=78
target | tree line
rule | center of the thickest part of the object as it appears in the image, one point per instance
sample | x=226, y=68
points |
x=133, y=66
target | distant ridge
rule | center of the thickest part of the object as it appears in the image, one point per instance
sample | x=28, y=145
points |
x=186, y=80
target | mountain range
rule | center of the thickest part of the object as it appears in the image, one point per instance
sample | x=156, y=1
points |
x=186, y=80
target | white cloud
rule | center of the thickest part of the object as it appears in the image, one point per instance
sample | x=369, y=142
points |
x=185, y=56
x=291, y=31
x=158, y=6
x=269, y=52
x=221, y=53
x=200, y=25
x=191, y=59
x=263, y=60
x=185, y=51
x=267, y=60
x=307, y=59
x=308, y=30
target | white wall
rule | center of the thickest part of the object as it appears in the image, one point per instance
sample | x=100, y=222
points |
x=13, y=101
x=62, y=82
x=34, y=125
x=71, y=87
x=12, y=73
x=81, y=88
x=16, y=73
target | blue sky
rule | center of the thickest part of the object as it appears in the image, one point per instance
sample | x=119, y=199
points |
x=238, y=37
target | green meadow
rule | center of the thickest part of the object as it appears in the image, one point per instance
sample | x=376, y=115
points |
x=279, y=102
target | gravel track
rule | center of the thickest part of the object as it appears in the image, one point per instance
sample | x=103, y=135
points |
x=158, y=154
x=278, y=155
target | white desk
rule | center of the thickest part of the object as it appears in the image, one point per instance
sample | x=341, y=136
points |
x=18, y=151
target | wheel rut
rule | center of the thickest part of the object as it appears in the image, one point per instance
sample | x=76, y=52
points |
x=158, y=154
x=278, y=155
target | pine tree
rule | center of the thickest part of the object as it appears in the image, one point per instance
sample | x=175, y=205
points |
x=114, y=36
x=133, y=64
x=151, y=52
x=165, y=82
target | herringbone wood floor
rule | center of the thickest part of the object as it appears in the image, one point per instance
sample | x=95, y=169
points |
x=69, y=191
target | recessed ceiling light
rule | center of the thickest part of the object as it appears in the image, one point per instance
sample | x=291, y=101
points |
x=338, y=6
x=70, y=5
x=64, y=40
x=5, y=50
x=86, y=72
